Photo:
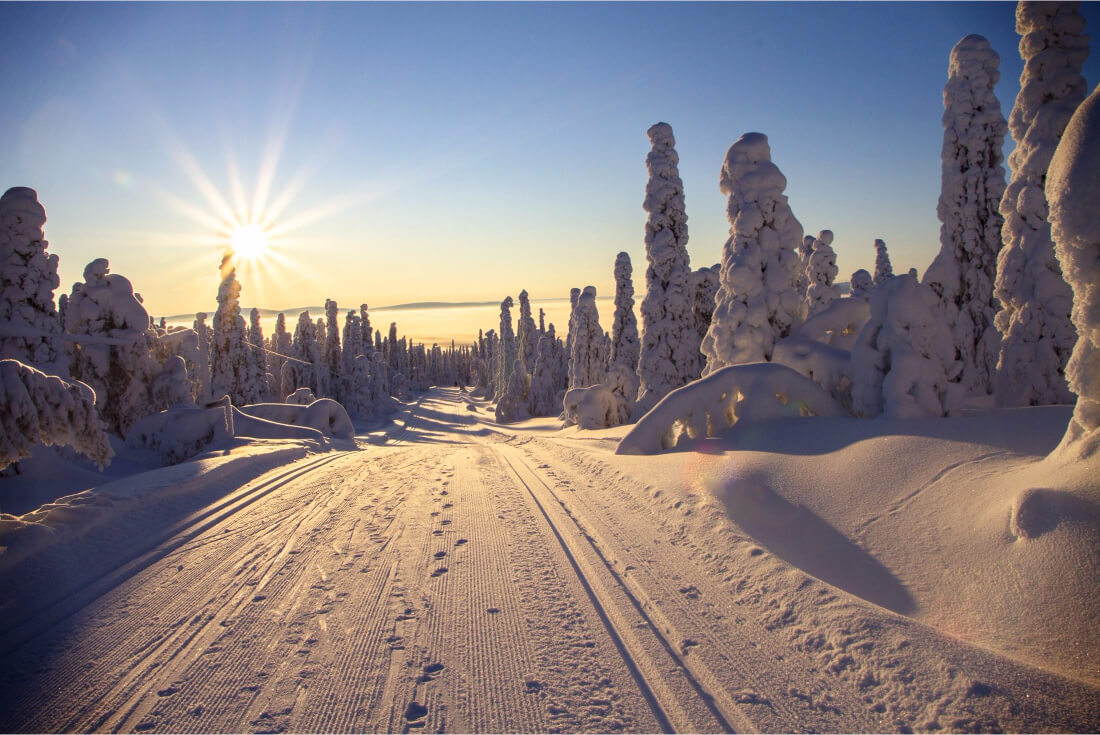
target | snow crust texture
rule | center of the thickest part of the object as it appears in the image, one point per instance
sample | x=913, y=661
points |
x=1035, y=324
x=670, y=343
x=36, y=408
x=972, y=184
x=757, y=301
x=1073, y=185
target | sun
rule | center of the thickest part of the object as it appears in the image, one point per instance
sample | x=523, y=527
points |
x=249, y=242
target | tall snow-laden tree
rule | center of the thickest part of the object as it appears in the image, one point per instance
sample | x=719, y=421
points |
x=1073, y=189
x=233, y=371
x=972, y=183
x=820, y=272
x=588, y=361
x=513, y=403
x=624, y=327
x=364, y=317
x=202, y=369
x=543, y=389
x=506, y=356
x=883, y=270
x=307, y=349
x=259, y=354
x=353, y=340
x=757, y=302
x=527, y=338
x=574, y=297
x=670, y=343
x=30, y=330
x=333, y=363
x=1037, y=334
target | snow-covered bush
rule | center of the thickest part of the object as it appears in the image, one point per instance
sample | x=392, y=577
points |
x=757, y=300
x=513, y=403
x=1037, y=334
x=29, y=327
x=883, y=270
x=748, y=392
x=589, y=408
x=301, y=397
x=324, y=414
x=181, y=432
x=36, y=408
x=114, y=350
x=828, y=366
x=625, y=346
x=838, y=324
x=860, y=285
x=821, y=271
x=971, y=187
x=903, y=363
x=588, y=360
x=1073, y=188
x=670, y=343
x=704, y=282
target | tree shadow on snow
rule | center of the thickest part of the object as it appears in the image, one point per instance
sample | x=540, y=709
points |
x=801, y=538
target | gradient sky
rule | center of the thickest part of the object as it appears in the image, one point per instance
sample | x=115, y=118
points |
x=462, y=151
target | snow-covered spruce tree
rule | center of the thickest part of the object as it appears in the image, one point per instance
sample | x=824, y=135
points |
x=861, y=285
x=512, y=405
x=1037, y=334
x=805, y=250
x=820, y=273
x=574, y=297
x=364, y=317
x=307, y=349
x=757, y=302
x=353, y=340
x=201, y=378
x=506, y=355
x=36, y=408
x=542, y=393
x=113, y=350
x=333, y=362
x=233, y=371
x=670, y=343
x=281, y=340
x=903, y=361
x=29, y=327
x=527, y=338
x=883, y=270
x=624, y=327
x=972, y=184
x=1073, y=189
x=259, y=356
x=704, y=282
x=588, y=362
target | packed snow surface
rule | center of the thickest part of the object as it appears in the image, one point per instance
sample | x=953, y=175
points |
x=462, y=576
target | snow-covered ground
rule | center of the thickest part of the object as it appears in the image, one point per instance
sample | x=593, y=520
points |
x=825, y=574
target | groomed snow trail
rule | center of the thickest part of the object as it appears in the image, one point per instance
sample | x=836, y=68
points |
x=468, y=579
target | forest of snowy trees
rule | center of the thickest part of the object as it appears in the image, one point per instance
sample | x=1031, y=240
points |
x=1002, y=316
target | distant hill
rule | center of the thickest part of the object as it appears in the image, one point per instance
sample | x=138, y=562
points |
x=316, y=311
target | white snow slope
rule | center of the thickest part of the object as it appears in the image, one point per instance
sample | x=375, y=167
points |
x=803, y=574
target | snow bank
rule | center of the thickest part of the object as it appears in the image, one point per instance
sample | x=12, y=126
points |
x=748, y=392
x=36, y=408
x=828, y=366
x=1073, y=185
x=324, y=414
x=181, y=432
x=253, y=427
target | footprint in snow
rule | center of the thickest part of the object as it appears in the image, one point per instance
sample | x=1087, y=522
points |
x=460, y=542
x=440, y=554
x=439, y=572
x=415, y=711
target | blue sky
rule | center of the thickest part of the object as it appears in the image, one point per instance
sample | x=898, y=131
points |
x=465, y=151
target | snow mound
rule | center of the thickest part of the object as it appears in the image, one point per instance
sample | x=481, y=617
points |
x=838, y=324
x=828, y=366
x=182, y=431
x=36, y=408
x=749, y=392
x=301, y=397
x=254, y=427
x=325, y=415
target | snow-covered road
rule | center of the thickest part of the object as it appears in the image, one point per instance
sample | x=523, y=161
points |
x=458, y=578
